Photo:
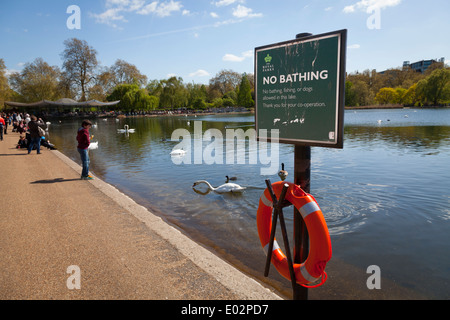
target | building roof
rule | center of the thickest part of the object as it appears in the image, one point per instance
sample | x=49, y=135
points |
x=65, y=102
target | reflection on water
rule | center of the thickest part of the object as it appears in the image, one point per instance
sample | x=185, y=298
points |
x=375, y=195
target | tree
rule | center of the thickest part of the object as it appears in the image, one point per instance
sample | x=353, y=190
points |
x=79, y=63
x=37, y=81
x=124, y=72
x=363, y=95
x=244, y=97
x=4, y=86
x=122, y=93
x=133, y=98
x=386, y=96
x=350, y=97
x=410, y=97
x=173, y=94
x=225, y=81
x=436, y=86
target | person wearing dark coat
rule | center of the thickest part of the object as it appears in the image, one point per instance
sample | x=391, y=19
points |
x=35, y=137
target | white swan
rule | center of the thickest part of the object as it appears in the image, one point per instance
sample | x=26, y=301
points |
x=93, y=145
x=178, y=152
x=227, y=187
x=126, y=129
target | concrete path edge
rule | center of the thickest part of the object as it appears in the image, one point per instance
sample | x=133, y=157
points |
x=243, y=285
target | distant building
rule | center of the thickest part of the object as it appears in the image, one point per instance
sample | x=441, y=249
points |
x=421, y=66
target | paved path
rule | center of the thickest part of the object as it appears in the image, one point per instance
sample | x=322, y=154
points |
x=51, y=220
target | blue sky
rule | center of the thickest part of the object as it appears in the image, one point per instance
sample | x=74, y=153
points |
x=195, y=39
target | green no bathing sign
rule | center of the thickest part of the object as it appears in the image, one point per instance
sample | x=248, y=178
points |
x=299, y=87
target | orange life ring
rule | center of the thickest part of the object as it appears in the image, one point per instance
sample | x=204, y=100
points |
x=320, y=244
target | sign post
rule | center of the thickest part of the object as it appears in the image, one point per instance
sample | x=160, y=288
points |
x=299, y=88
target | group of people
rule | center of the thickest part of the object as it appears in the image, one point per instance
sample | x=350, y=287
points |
x=34, y=137
x=31, y=129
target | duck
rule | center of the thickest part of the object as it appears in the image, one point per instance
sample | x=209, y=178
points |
x=126, y=129
x=282, y=173
x=225, y=188
x=232, y=178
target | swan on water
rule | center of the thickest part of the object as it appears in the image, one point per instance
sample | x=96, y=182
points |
x=227, y=187
x=93, y=145
x=178, y=152
x=232, y=178
x=126, y=129
x=94, y=125
x=282, y=173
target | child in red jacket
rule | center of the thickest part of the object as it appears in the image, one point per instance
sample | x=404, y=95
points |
x=84, y=140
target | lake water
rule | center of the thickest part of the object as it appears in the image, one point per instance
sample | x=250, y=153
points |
x=385, y=196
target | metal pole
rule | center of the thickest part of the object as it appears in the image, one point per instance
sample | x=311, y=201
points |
x=302, y=177
x=302, y=174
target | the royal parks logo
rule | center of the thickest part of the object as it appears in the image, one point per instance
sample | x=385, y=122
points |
x=268, y=67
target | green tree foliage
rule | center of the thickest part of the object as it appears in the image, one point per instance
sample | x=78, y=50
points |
x=244, y=97
x=399, y=86
x=5, y=91
x=173, y=94
x=37, y=81
x=386, y=96
x=435, y=89
x=133, y=99
x=350, y=96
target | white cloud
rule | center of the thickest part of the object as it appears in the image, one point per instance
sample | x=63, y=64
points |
x=328, y=8
x=166, y=9
x=116, y=9
x=8, y=72
x=349, y=9
x=222, y=3
x=199, y=73
x=370, y=5
x=214, y=15
x=244, y=12
x=234, y=58
x=354, y=46
x=149, y=8
x=109, y=17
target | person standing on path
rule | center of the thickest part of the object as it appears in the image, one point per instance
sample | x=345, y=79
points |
x=35, y=137
x=2, y=125
x=84, y=140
